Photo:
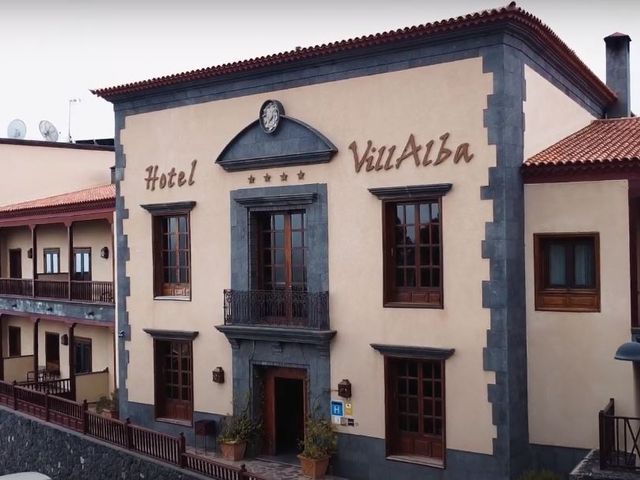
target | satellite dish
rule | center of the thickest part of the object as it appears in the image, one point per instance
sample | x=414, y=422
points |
x=16, y=129
x=48, y=131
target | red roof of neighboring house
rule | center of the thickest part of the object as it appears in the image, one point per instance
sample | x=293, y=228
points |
x=531, y=24
x=96, y=197
x=609, y=141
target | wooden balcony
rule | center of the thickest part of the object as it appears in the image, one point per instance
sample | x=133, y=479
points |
x=82, y=291
x=277, y=308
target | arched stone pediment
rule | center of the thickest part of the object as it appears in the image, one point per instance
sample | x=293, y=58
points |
x=294, y=143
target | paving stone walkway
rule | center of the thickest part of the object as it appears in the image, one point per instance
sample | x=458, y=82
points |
x=268, y=469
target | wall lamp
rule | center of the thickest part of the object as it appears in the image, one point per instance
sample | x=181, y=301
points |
x=104, y=252
x=217, y=375
x=30, y=253
x=64, y=340
x=344, y=389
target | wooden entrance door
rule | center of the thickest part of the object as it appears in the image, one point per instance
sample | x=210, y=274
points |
x=52, y=352
x=415, y=407
x=81, y=265
x=281, y=387
x=282, y=265
x=174, y=379
x=15, y=263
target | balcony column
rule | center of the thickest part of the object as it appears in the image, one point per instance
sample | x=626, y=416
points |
x=72, y=360
x=1, y=350
x=34, y=258
x=69, y=226
x=113, y=257
x=36, y=322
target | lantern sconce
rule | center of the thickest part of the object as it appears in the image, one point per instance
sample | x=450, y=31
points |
x=344, y=389
x=64, y=340
x=217, y=375
x=30, y=253
x=104, y=252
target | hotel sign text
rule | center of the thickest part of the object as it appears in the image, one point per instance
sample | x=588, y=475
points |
x=385, y=158
x=170, y=179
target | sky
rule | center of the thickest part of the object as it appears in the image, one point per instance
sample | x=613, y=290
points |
x=57, y=50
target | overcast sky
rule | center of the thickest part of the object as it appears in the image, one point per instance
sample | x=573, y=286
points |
x=56, y=50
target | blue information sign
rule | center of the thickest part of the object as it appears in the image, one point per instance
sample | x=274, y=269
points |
x=337, y=408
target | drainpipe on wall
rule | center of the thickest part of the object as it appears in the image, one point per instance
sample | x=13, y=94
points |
x=619, y=74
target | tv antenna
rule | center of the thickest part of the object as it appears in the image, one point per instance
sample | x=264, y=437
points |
x=71, y=100
x=48, y=131
x=16, y=129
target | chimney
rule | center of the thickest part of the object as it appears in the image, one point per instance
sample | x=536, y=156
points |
x=618, y=74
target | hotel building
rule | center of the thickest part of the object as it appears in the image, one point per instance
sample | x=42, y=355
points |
x=385, y=229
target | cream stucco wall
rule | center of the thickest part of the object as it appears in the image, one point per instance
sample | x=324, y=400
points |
x=30, y=172
x=432, y=100
x=11, y=238
x=26, y=334
x=571, y=369
x=53, y=327
x=96, y=235
x=52, y=236
x=92, y=234
x=550, y=114
x=102, y=349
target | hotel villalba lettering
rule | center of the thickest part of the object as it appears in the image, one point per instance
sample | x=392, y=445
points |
x=169, y=179
x=431, y=153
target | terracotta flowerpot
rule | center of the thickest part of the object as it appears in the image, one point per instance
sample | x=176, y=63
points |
x=110, y=413
x=314, y=467
x=233, y=451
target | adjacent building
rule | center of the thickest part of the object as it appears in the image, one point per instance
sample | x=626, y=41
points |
x=345, y=230
x=57, y=312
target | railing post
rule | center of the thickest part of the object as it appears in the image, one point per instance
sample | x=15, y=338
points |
x=128, y=434
x=13, y=391
x=243, y=472
x=85, y=409
x=601, y=446
x=46, y=406
x=182, y=449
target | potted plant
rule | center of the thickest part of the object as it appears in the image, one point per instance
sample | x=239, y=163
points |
x=108, y=406
x=236, y=432
x=320, y=442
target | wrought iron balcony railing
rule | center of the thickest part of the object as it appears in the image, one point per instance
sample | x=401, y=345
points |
x=277, y=308
x=619, y=440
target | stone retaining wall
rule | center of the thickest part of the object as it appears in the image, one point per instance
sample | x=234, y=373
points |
x=27, y=444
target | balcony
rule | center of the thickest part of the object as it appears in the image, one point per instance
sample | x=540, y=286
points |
x=81, y=291
x=277, y=308
x=619, y=447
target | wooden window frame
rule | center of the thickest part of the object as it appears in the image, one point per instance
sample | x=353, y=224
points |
x=13, y=328
x=9, y=264
x=558, y=299
x=287, y=250
x=160, y=210
x=162, y=289
x=159, y=382
x=392, y=413
x=82, y=251
x=435, y=295
x=52, y=251
x=85, y=341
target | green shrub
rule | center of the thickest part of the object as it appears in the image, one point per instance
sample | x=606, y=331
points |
x=543, y=475
x=108, y=403
x=320, y=440
x=239, y=428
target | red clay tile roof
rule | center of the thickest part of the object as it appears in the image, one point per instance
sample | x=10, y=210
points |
x=90, y=197
x=525, y=21
x=608, y=141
